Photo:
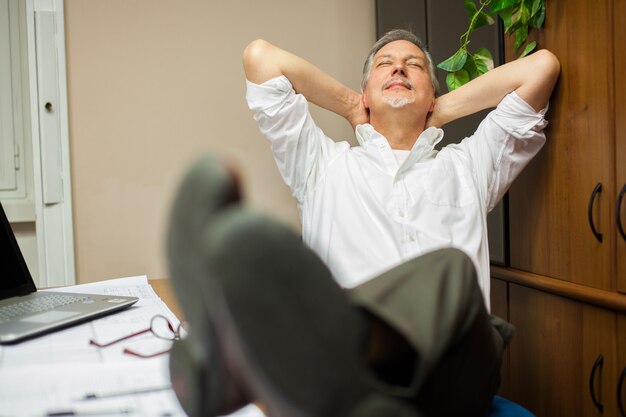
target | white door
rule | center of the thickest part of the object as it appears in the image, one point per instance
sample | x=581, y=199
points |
x=34, y=140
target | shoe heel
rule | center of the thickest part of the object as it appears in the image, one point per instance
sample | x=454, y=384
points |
x=377, y=405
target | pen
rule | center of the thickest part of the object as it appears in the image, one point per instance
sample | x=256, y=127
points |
x=98, y=395
x=79, y=413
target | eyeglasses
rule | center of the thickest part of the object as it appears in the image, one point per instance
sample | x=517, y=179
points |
x=160, y=327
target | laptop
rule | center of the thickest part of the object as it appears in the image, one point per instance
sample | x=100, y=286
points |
x=25, y=312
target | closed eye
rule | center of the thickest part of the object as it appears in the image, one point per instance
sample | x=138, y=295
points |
x=415, y=64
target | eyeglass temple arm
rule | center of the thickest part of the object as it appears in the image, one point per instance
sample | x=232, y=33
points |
x=94, y=342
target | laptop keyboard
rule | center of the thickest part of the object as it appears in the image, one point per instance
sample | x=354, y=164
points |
x=37, y=305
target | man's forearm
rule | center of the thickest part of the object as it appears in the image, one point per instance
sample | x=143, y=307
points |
x=264, y=61
x=532, y=77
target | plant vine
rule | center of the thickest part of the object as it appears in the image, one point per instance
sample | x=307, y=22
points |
x=518, y=16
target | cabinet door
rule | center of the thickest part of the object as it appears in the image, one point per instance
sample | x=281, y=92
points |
x=553, y=353
x=620, y=135
x=499, y=298
x=621, y=366
x=599, y=362
x=549, y=229
x=500, y=308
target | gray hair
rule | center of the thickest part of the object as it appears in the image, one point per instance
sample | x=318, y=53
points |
x=399, y=35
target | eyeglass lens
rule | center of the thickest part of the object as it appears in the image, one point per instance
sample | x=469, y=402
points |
x=160, y=326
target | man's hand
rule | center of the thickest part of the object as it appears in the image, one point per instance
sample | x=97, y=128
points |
x=433, y=120
x=359, y=114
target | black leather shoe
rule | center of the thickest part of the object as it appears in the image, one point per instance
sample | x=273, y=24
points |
x=284, y=326
x=202, y=384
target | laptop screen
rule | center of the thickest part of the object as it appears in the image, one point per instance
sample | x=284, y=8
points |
x=15, y=279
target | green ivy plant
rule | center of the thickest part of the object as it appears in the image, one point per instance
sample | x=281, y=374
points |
x=517, y=15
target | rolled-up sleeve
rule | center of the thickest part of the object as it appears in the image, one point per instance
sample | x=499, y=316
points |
x=504, y=143
x=300, y=148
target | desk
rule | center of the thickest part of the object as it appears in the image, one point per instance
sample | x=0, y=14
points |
x=73, y=375
x=164, y=290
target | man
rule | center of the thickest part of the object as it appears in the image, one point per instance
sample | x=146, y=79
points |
x=268, y=321
x=368, y=208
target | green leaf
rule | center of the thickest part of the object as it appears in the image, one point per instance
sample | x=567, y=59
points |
x=455, y=62
x=483, y=19
x=536, y=6
x=525, y=13
x=506, y=16
x=498, y=5
x=539, y=17
x=483, y=60
x=479, y=18
x=516, y=17
x=520, y=36
x=478, y=63
x=456, y=79
x=471, y=9
x=470, y=67
x=529, y=48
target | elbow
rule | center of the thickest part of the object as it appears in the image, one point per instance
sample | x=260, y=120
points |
x=540, y=73
x=549, y=64
x=255, y=53
x=254, y=49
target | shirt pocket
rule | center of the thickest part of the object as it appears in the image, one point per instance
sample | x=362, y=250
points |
x=447, y=188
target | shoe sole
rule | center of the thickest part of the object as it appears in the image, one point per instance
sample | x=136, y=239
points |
x=198, y=377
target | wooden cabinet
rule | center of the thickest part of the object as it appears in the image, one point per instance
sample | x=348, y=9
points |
x=566, y=283
x=552, y=205
x=500, y=308
x=621, y=369
x=620, y=137
x=563, y=358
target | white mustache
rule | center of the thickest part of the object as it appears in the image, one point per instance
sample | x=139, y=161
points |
x=404, y=82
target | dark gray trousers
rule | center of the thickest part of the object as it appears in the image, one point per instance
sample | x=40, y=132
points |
x=434, y=302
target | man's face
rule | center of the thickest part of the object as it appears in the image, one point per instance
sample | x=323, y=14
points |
x=399, y=77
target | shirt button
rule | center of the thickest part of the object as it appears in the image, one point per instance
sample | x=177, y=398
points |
x=401, y=214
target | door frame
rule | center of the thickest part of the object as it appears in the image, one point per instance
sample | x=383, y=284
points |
x=47, y=79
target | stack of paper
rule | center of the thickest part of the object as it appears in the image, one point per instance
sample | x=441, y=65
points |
x=62, y=373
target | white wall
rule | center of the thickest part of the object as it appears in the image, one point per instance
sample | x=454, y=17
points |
x=154, y=83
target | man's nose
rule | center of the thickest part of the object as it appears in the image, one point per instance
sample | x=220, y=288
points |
x=399, y=68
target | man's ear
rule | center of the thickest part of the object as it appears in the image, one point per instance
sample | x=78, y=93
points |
x=432, y=105
x=365, y=100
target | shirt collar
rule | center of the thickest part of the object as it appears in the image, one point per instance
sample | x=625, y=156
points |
x=423, y=149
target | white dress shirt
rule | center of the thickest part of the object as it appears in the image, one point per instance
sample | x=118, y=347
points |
x=363, y=212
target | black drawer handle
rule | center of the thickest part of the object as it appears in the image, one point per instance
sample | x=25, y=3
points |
x=592, y=200
x=620, y=405
x=596, y=365
x=618, y=214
